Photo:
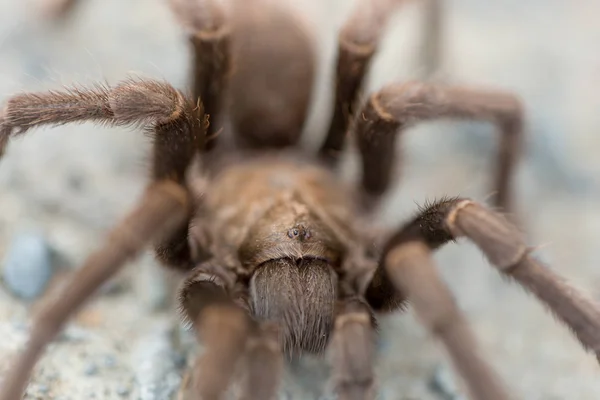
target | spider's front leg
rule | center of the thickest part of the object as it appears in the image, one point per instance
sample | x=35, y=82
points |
x=352, y=350
x=398, y=106
x=177, y=124
x=178, y=132
x=209, y=299
x=406, y=266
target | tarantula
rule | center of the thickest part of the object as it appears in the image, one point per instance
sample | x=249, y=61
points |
x=278, y=256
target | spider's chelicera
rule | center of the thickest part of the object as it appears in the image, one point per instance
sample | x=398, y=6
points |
x=277, y=256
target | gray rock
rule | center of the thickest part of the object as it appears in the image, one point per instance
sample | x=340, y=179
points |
x=91, y=369
x=109, y=361
x=151, y=285
x=154, y=360
x=123, y=391
x=444, y=385
x=28, y=265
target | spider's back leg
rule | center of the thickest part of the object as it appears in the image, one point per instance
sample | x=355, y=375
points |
x=357, y=43
x=398, y=106
x=208, y=25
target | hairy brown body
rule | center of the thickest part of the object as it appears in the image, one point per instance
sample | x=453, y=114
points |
x=289, y=222
x=273, y=246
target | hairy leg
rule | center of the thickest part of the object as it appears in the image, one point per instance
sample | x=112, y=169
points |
x=209, y=31
x=177, y=131
x=351, y=350
x=412, y=270
x=398, y=106
x=502, y=243
x=57, y=9
x=263, y=364
x=433, y=25
x=176, y=125
x=357, y=43
x=231, y=339
x=162, y=209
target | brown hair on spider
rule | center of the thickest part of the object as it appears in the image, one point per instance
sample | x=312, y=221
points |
x=279, y=255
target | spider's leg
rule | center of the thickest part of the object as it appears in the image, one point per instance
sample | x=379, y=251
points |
x=503, y=245
x=263, y=363
x=357, y=44
x=162, y=209
x=57, y=9
x=351, y=350
x=398, y=106
x=431, y=57
x=209, y=30
x=412, y=270
x=501, y=242
x=175, y=123
x=229, y=336
x=177, y=128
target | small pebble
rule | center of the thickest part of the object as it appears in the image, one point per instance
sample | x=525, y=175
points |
x=112, y=287
x=109, y=361
x=28, y=266
x=21, y=326
x=91, y=369
x=73, y=334
x=42, y=388
x=52, y=376
x=76, y=181
x=179, y=360
x=443, y=384
x=123, y=391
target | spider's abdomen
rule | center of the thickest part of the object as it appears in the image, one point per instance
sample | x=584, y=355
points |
x=300, y=296
x=272, y=79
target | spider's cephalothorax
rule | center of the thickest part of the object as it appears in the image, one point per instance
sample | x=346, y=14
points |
x=278, y=256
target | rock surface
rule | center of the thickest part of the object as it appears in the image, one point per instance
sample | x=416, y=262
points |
x=77, y=180
x=28, y=266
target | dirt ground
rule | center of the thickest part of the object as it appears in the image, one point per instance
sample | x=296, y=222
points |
x=70, y=184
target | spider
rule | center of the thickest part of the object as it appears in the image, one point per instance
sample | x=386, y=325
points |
x=279, y=256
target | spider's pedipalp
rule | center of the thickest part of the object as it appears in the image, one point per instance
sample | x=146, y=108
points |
x=398, y=106
x=357, y=44
x=352, y=350
x=263, y=363
x=162, y=209
x=411, y=268
x=222, y=326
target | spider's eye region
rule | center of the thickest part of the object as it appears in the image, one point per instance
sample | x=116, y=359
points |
x=299, y=232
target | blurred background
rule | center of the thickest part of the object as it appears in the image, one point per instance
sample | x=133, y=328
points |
x=62, y=188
